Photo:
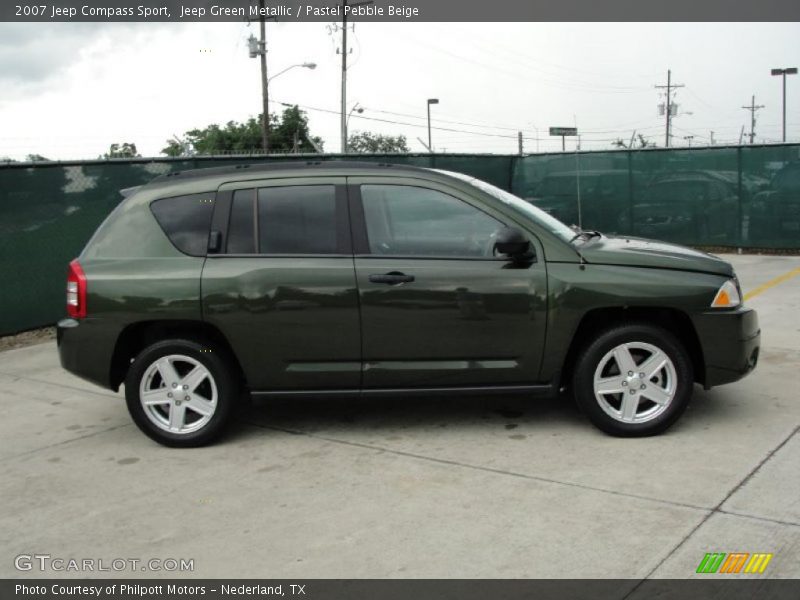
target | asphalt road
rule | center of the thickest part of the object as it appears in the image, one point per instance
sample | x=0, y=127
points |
x=495, y=488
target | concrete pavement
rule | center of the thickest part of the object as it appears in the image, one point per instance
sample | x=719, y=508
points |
x=499, y=488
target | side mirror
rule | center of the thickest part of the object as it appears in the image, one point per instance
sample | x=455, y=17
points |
x=513, y=243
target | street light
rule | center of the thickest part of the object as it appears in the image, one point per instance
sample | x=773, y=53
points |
x=430, y=101
x=783, y=73
x=356, y=108
x=305, y=65
x=359, y=110
x=258, y=49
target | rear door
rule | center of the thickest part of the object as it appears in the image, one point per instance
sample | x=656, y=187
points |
x=438, y=309
x=281, y=286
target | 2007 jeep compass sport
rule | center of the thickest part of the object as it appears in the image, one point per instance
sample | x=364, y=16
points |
x=351, y=278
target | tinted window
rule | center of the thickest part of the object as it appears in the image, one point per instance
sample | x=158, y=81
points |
x=186, y=221
x=241, y=229
x=297, y=220
x=414, y=221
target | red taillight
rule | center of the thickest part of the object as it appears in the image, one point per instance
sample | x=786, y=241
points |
x=76, y=291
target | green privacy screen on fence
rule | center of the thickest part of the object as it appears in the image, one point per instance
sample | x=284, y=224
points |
x=727, y=196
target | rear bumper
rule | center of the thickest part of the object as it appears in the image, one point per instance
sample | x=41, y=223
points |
x=730, y=341
x=83, y=352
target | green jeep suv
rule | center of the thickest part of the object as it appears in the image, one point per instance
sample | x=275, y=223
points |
x=337, y=279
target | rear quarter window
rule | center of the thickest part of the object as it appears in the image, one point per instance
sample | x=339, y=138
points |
x=186, y=221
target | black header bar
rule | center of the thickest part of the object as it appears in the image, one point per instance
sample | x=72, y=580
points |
x=401, y=10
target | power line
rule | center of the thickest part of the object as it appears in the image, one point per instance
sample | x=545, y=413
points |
x=398, y=114
x=422, y=125
x=439, y=128
x=694, y=134
x=492, y=44
x=462, y=131
x=495, y=69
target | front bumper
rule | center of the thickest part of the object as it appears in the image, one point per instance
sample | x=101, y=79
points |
x=730, y=341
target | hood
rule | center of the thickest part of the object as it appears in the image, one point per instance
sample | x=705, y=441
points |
x=640, y=252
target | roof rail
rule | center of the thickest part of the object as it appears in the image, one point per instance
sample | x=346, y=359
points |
x=278, y=166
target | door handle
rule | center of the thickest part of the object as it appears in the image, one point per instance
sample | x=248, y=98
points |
x=392, y=278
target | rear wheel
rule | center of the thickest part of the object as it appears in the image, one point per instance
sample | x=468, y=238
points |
x=180, y=392
x=633, y=380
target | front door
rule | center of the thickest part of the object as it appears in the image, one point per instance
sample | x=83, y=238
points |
x=438, y=309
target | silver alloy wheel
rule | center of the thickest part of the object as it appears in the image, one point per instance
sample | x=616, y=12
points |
x=635, y=382
x=178, y=394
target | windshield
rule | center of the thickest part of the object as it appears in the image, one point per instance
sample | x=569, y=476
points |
x=550, y=223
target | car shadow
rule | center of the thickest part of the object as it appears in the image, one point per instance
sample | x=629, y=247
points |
x=318, y=415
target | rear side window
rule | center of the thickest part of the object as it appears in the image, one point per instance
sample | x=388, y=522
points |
x=297, y=219
x=186, y=220
x=241, y=228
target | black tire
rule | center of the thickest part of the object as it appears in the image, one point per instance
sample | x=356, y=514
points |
x=589, y=360
x=222, y=377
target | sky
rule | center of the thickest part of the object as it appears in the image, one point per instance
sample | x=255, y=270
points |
x=69, y=90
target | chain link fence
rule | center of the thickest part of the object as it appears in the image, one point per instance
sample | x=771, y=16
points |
x=733, y=197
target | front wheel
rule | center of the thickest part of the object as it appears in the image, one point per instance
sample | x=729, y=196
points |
x=633, y=380
x=180, y=392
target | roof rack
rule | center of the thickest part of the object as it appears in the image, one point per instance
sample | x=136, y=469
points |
x=278, y=166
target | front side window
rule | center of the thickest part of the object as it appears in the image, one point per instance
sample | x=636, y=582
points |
x=404, y=220
x=186, y=220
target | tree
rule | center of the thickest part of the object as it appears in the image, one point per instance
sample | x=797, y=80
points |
x=36, y=158
x=124, y=150
x=362, y=142
x=641, y=142
x=288, y=134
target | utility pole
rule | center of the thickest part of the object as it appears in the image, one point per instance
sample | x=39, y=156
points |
x=519, y=143
x=753, y=108
x=264, y=82
x=578, y=179
x=344, y=77
x=668, y=105
x=345, y=51
x=741, y=135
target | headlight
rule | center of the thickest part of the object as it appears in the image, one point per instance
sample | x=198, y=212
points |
x=728, y=295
